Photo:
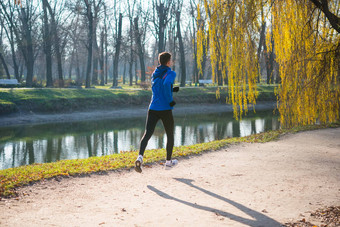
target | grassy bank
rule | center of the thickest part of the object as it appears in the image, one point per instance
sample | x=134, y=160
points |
x=12, y=178
x=61, y=100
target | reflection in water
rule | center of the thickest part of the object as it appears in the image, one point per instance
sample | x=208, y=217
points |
x=52, y=142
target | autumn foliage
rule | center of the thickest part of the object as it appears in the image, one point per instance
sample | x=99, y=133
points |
x=306, y=47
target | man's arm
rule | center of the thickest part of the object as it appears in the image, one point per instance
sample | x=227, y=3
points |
x=168, y=82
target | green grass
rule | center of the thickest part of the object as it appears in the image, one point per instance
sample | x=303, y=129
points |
x=64, y=99
x=12, y=178
x=56, y=100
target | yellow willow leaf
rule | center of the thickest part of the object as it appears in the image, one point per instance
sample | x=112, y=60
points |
x=306, y=51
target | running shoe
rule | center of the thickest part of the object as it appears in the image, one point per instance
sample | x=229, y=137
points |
x=138, y=164
x=172, y=164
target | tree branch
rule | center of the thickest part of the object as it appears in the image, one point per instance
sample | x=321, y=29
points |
x=332, y=18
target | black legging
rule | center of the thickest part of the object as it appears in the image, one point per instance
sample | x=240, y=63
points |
x=168, y=123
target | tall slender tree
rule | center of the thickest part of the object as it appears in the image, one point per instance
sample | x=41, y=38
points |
x=180, y=40
x=117, y=51
x=57, y=43
x=89, y=16
x=47, y=46
x=140, y=51
x=160, y=20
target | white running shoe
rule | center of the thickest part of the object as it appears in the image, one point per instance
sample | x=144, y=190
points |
x=138, y=164
x=171, y=164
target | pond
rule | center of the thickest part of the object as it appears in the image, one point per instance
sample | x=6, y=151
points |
x=23, y=145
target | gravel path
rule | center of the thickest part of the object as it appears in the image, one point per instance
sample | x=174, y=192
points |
x=243, y=185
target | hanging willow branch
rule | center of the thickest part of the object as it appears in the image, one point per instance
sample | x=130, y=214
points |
x=306, y=46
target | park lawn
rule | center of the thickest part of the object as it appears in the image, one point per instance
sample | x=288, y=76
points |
x=66, y=99
x=12, y=178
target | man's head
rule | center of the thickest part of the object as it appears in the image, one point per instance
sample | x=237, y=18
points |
x=164, y=58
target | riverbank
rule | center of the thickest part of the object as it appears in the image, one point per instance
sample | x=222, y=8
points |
x=56, y=100
x=248, y=184
x=119, y=113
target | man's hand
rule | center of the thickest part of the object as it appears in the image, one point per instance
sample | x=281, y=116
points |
x=175, y=89
x=172, y=103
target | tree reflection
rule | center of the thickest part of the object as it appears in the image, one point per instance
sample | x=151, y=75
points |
x=41, y=144
x=30, y=150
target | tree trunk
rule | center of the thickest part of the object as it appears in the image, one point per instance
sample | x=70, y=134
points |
x=118, y=43
x=102, y=58
x=131, y=53
x=95, y=65
x=140, y=50
x=78, y=80
x=56, y=45
x=106, y=58
x=162, y=22
x=124, y=73
x=21, y=72
x=261, y=43
x=270, y=63
x=106, y=44
x=136, y=74
x=2, y=70
x=195, y=69
x=181, y=50
x=59, y=60
x=47, y=48
x=71, y=65
x=11, y=28
x=333, y=19
x=95, y=54
x=27, y=48
x=90, y=42
x=5, y=66
x=205, y=51
x=15, y=65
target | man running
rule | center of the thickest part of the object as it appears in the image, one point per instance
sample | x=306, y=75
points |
x=160, y=107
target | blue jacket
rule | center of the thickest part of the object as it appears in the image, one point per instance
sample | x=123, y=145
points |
x=162, y=82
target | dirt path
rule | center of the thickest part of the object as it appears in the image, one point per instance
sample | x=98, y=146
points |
x=121, y=112
x=243, y=185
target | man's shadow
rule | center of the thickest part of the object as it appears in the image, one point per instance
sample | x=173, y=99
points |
x=259, y=219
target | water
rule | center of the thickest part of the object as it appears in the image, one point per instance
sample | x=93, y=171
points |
x=23, y=145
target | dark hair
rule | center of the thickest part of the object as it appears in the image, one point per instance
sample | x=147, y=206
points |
x=164, y=58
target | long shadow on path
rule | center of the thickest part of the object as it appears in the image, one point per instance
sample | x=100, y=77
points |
x=259, y=219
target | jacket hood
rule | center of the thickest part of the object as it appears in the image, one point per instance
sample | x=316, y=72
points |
x=160, y=71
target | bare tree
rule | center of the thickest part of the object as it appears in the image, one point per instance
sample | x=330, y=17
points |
x=180, y=40
x=118, y=44
x=21, y=33
x=27, y=17
x=103, y=51
x=131, y=11
x=47, y=47
x=57, y=43
x=7, y=23
x=89, y=16
x=140, y=51
x=160, y=23
x=193, y=10
x=2, y=59
x=95, y=60
x=3, y=62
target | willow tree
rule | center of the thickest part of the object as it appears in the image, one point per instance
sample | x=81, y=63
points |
x=307, y=49
x=306, y=43
x=233, y=51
